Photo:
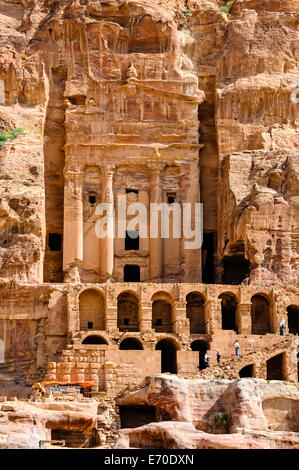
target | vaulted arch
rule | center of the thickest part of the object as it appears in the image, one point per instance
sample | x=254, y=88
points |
x=91, y=310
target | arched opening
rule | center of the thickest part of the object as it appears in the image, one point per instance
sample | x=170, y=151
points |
x=94, y=339
x=275, y=367
x=247, y=371
x=236, y=268
x=130, y=344
x=260, y=315
x=228, y=311
x=196, y=313
x=168, y=355
x=91, y=310
x=293, y=319
x=202, y=347
x=127, y=312
x=131, y=273
x=162, y=312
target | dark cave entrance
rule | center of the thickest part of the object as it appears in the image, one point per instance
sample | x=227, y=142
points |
x=135, y=416
x=293, y=319
x=275, y=367
x=247, y=371
x=168, y=355
x=236, y=268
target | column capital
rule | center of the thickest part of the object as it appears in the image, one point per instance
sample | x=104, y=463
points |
x=73, y=173
x=107, y=169
x=156, y=167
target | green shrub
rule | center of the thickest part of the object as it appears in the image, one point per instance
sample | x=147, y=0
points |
x=219, y=419
x=187, y=12
x=182, y=25
x=9, y=135
x=227, y=7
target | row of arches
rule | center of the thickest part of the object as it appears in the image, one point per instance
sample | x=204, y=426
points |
x=275, y=366
x=167, y=347
x=92, y=313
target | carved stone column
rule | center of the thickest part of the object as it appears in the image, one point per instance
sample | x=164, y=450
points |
x=213, y=311
x=190, y=258
x=156, y=244
x=111, y=309
x=244, y=318
x=73, y=218
x=107, y=244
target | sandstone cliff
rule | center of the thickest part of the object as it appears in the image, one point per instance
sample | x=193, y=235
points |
x=246, y=64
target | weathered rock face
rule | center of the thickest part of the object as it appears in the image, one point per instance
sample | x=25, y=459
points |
x=169, y=101
x=248, y=413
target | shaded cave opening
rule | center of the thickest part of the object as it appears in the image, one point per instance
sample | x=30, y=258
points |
x=293, y=319
x=137, y=415
x=236, y=269
x=276, y=367
x=247, y=371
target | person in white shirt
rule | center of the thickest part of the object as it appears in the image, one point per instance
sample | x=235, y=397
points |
x=237, y=347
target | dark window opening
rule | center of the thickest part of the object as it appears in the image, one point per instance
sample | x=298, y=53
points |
x=260, y=315
x=135, y=191
x=130, y=344
x=168, y=356
x=94, y=340
x=90, y=325
x=247, y=371
x=92, y=199
x=293, y=320
x=127, y=312
x=132, y=240
x=275, y=368
x=202, y=347
x=78, y=100
x=131, y=273
x=235, y=269
x=228, y=312
x=55, y=241
x=135, y=416
x=208, y=273
x=158, y=322
x=196, y=313
x=171, y=197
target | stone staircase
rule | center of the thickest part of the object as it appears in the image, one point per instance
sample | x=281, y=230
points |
x=230, y=366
